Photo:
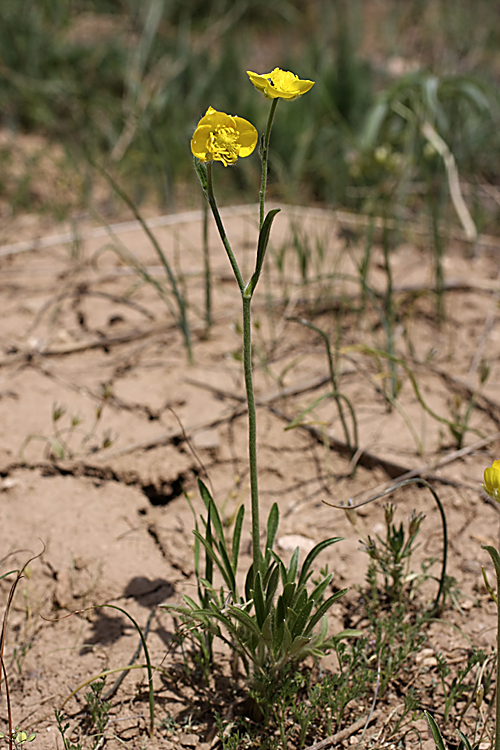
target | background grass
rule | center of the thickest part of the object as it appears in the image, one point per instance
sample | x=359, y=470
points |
x=127, y=80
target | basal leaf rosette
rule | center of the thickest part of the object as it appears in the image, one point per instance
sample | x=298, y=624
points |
x=222, y=137
x=280, y=84
x=492, y=481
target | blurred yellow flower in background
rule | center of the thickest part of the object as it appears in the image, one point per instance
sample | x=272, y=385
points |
x=492, y=481
x=280, y=84
x=221, y=137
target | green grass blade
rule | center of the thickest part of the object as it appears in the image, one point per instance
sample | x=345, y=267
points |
x=436, y=734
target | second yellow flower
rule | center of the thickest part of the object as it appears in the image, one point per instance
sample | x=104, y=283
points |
x=221, y=137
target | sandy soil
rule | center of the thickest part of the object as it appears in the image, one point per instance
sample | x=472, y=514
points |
x=112, y=526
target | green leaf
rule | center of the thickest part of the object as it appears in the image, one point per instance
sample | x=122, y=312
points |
x=245, y=619
x=323, y=632
x=249, y=584
x=496, y=562
x=267, y=631
x=465, y=741
x=302, y=617
x=224, y=565
x=272, y=585
x=212, y=508
x=272, y=527
x=201, y=170
x=321, y=588
x=258, y=600
x=280, y=615
x=279, y=627
x=436, y=734
x=348, y=633
x=313, y=555
x=196, y=548
x=287, y=640
x=323, y=610
x=235, y=553
x=291, y=574
x=281, y=565
x=209, y=563
x=261, y=251
x=194, y=605
x=288, y=592
x=298, y=643
x=300, y=600
x=229, y=569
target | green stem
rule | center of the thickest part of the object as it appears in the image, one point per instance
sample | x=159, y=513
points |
x=247, y=365
x=264, y=158
x=220, y=227
x=208, y=278
x=252, y=432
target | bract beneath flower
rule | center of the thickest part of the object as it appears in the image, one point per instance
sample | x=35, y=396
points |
x=280, y=84
x=492, y=481
x=221, y=137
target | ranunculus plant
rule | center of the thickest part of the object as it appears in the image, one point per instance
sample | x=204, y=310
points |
x=279, y=617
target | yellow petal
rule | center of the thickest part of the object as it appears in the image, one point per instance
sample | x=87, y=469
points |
x=248, y=136
x=261, y=83
x=492, y=480
x=280, y=84
x=199, y=142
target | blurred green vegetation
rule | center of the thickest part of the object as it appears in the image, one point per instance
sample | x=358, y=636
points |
x=126, y=81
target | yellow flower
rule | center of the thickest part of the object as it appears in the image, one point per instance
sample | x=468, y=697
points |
x=492, y=481
x=221, y=137
x=280, y=84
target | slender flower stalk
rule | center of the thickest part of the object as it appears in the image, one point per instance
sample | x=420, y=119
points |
x=220, y=227
x=252, y=431
x=206, y=264
x=264, y=158
x=246, y=294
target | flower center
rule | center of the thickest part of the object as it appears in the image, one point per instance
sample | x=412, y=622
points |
x=224, y=145
x=283, y=80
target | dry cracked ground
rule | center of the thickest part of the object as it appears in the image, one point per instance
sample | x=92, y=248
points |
x=97, y=497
